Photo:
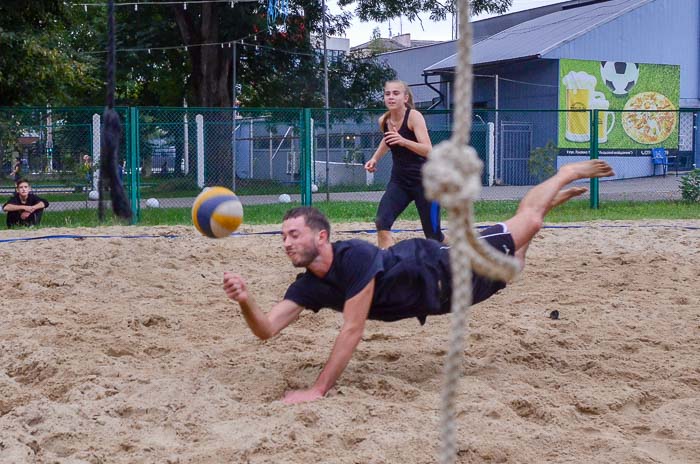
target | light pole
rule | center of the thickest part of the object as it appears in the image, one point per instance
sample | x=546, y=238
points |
x=325, y=95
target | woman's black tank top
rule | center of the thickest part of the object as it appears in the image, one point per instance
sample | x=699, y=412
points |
x=406, y=164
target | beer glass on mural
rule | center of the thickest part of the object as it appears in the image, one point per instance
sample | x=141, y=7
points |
x=606, y=119
x=579, y=90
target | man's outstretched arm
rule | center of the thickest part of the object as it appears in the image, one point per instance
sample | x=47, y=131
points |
x=40, y=205
x=263, y=325
x=355, y=314
x=10, y=207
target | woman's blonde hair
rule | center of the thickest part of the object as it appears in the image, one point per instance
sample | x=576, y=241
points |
x=409, y=103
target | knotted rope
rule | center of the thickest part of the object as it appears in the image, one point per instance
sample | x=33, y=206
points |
x=111, y=133
x=452, y=176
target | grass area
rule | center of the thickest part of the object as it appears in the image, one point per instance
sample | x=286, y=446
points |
x=54, y=182
x=339, y=212
x=185, y=187
x=182, y=188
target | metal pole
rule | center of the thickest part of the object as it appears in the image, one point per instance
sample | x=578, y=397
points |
x=325, y=96
x=186, y=144
x=233, y=117
x=455, y=24
x=49, y=140
x=498, y=130
x=233, y=65
x=594, y=185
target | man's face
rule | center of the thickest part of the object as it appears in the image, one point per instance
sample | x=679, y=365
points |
x=300, y=242
x=23, y=190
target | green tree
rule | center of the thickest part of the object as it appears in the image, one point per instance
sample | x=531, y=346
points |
x=357, y=82
x=372, y=10
x=268, y=76
x=53, y=52
x=275, y=67
x=38, y=64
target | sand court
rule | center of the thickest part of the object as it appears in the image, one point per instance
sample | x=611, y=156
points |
x=125, y=350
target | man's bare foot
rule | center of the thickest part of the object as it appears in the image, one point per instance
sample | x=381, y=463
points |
x=445, y=240
x=567, y=194
x=588, y=169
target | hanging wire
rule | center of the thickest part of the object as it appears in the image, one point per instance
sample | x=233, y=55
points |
x=173, y=2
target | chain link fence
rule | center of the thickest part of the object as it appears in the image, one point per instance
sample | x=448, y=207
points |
x=254, y=152
x=316, y=155
x=57, y=150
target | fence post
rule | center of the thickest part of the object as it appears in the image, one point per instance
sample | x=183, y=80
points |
x=96, y=148
x=199, y=121
x=135, y=162
x=595, y=199
x=305, y=158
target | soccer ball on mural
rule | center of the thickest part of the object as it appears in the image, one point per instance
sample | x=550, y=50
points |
x=619, y=76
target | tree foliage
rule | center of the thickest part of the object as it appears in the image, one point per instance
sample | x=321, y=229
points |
x=53, y=52
x=38, y=64
x=276, y=66
x=373, y=10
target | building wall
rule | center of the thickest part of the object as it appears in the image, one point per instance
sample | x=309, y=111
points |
x=409, y=65
x=340, y=44
x=521, y=85
x=662, y=32
x=526, y=90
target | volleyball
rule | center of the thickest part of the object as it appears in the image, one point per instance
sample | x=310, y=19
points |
x=217, y=212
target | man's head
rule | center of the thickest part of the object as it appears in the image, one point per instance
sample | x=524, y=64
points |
x=304, y=230
x=23, y=188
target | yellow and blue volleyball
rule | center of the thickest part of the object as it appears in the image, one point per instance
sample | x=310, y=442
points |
x=217, y=212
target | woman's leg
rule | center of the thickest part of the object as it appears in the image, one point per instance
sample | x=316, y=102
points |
x=392, y=204
x=429, y=213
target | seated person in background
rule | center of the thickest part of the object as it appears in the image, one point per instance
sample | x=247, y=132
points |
x=17, y=170
x=24, y=208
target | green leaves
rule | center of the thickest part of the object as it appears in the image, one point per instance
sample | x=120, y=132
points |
x=52, y=52
x=382, y=10
x=690, y=186
x=542, y=162
x=38, y=64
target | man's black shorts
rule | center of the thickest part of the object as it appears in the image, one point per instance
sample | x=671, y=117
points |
x=498, y=237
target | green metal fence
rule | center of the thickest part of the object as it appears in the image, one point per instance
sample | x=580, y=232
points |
x=316, y=155
x=58, y=150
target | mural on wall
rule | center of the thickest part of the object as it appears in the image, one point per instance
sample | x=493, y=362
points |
x=617, y=89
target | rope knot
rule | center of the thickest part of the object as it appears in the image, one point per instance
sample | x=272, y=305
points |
x=452, y=175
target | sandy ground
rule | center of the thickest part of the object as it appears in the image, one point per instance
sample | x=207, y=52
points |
x=124, y=350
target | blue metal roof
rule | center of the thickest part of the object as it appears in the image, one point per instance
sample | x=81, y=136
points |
x=536, y=37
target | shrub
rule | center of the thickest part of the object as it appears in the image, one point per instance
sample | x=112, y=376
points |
x=543, y=161
x=690, y=186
